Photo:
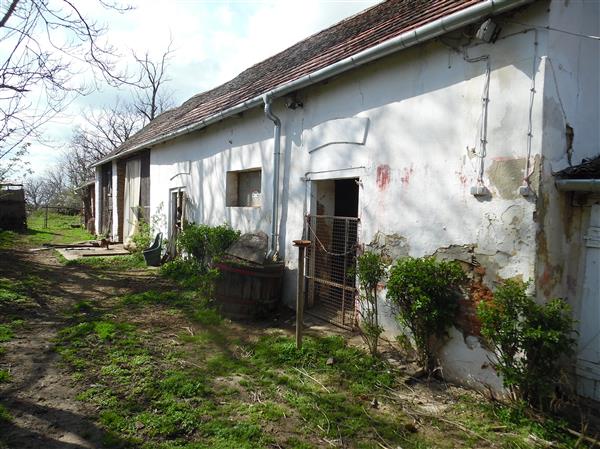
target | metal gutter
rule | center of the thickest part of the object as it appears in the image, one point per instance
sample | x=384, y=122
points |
x=405, y=40
x=578, y=185
x=273, y=252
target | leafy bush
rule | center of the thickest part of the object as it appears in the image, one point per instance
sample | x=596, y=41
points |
x=370, y=270
x=424, y=293
x=190, y=274
x=204, y=243
x=527, y=339
x=142, y=237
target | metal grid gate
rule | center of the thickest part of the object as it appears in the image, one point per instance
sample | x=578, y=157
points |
x=330, y=268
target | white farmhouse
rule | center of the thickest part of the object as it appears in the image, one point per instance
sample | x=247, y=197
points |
x=417, y=127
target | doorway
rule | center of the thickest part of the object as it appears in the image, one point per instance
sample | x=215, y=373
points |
x=332, y=227
x=177, y=217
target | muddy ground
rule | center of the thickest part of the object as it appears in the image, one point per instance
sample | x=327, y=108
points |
x=41, y=395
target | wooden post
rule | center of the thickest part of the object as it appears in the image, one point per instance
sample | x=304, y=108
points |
x=46, y=218
x=301, y=245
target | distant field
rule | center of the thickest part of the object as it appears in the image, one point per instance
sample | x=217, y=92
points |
x=59, y=230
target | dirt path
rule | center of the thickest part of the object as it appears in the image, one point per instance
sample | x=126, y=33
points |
x=42, y=395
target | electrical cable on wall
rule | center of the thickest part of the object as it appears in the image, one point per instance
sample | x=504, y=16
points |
x=481, y=138
x=548, y=28
x=525, y=189
x=479, y=189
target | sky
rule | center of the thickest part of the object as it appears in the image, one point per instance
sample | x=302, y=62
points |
x=213, y=41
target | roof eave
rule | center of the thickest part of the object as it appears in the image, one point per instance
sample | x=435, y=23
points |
x=408, y=39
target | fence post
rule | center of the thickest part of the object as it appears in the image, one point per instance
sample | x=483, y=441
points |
x=46, y=218
x=301, y=245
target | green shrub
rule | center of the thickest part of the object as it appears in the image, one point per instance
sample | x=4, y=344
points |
x=424, y=294
x=204, y=243
x=190, y=274
x=142, y=237
x=528, y=340
x=370, y=270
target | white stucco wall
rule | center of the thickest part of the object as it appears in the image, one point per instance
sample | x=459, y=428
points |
x=406, y=126
x=571, y=96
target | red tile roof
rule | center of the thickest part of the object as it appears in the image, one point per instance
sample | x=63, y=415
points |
x=347, y=38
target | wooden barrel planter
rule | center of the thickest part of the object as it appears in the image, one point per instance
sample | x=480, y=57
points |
x=248, y=292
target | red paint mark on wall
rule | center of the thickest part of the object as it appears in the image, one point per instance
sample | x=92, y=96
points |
x=463, y=178
x=405, y=179
x=383, y=176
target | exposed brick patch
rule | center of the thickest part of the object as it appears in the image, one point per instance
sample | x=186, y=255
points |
x=467, y=319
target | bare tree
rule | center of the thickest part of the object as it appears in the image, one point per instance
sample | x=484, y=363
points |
x=44, y=44
x=34, y=191
x=151, y=97
x=50, y=189
x=16, y=162
x=106, y=130
x=102, y=132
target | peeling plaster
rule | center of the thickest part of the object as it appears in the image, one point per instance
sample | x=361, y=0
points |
x=506, y=175
x=391, y=246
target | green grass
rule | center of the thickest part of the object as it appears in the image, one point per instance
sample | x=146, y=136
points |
x=58, y=231
x=21, y=290
x=215, y=388
x=165, y=370
x=4, y=414
x=4, y=376
x=7, y=239
x=114, y=263
x=6, y=333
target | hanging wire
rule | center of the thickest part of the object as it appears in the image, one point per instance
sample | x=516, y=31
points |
x=532, y=93
x=483, y=121
x=351, y=249
x=548, y=28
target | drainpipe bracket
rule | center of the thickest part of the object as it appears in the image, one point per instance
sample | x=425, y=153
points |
x=480, y=191
x=525, y=191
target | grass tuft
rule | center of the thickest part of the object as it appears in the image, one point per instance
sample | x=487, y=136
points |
x=6, y=332
x=111, y=263
x=5, y=376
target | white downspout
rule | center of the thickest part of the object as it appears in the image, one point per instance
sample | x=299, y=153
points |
x=273, y=253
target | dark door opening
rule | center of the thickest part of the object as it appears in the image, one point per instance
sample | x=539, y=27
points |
x=176, y=218
x=106, y=209
x=346, y=198
x=333, y=232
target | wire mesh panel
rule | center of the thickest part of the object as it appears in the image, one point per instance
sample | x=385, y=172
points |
x=330, y=268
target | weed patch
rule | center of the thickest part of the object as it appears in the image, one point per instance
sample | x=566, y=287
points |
x=4, y=376
x=5, y=414
x=112, y=263
x=8, y=239
x=21, y=290
x=198, y=381
x=6, y=332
